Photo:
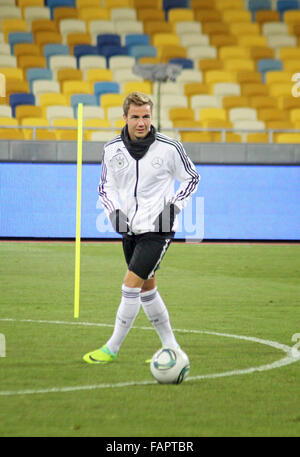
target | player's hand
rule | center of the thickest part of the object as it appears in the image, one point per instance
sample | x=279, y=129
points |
x=119, y=221
x=165, y=220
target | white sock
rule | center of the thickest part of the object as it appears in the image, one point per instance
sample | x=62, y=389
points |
x=126, y=314
x=157, y=313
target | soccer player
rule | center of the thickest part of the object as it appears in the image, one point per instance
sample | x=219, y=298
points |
x=136, y=189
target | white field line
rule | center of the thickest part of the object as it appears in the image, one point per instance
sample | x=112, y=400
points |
x=292, y=355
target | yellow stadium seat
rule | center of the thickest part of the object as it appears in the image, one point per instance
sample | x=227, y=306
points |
x=291, y=65
x=89, y=13
x=215, y=28
x=13, y=25
x=187, y=124
x=278, y=89
x=288, y=138
x=111, y=100
x=271, y=114
x=249, y=41
x=281, y=125
x=217, y=124
x=26, y=61
x=248, y=77
x=22, y=49
x=292, y=17
x=41, y=38
x=192, y=137
x=165, y=53
x=150, y=14
x=215, y=76
x=49, y=99
x=12, y=134
x=212, y=114
x=27, y=122
x=231, y=16
x=43, y=25
x=63, y=12
x=233, y=52
x=230, y=5
x=178, y=114
x=65, y=74
x=117, y=3
x=239, y=64
x=141, y=86
x=257, y=137
x=210, y=64
x=24, y=111
x=74, y=39
x=99, y=74
x=230, y=137
x=263, y=102
x=279, y=76
x=218, y=40
x=8, y=121
x=261, y=52
x=236, y=101
x=12, y=73
x=146, y=4
x=194, y=88
x=76, y=87
x=45, y=135
x=96, y=123
x=66, y=135
x=294, y=115
x=288, y=102
x=262, y=16
x=288, y=52
x=165, y=39
x=180, y=14
x=202, y=4
x=251, y=89
x=207, y=15
x=64, y=122
x=244, y=28
x=153, y=28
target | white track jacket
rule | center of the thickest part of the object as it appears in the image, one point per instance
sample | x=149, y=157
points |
x=141, y=188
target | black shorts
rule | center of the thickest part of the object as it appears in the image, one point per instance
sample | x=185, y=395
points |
x=143, y=253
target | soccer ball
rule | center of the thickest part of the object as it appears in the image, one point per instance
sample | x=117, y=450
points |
x=170, y=366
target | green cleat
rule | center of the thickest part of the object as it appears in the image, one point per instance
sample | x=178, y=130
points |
x=102, y=355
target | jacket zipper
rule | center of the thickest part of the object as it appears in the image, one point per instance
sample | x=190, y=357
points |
x=135, y=192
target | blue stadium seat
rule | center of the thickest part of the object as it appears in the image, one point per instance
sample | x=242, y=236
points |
x=136, y=39
x=85, y=99
x=106, y=87
x=285, y=5
x=20, y=99
x=264, y=65
x=38, y=73
x=142, y=51
x=185, y=63
x=169, y=4
x=84, y=50
x=54, y=49
x=108, y=39
x=257, y=5
x=19, y=37
x=109, y=51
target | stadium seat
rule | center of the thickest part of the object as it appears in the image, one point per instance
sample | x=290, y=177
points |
x=118, y=62
x=4, y=49
x=124, y=74
x=92, y=62
x=80, y=50
x=287, y=138
x=133, y=39
x=183, y=62
x=54, y=49
x=92, y=112
x=70, y=88
x=257, y=5
x=227, y=88
x=12, y=134
x=180, y=114
x=50, y=99
x=216, y=76
x=33, y=74
x=196, y=137
x=11, y=12
x=13, y=25
x=180, y=28
x=5, y=111
x=260, y=102
x=20, y=99
x=280, y=41
x=202, y=52
x=58, y=112
x=108, y=39
x=257, y=137
x=141, y=86
x=23, y=111
x=42, y=38
x=263, y=16
x=205, y=101
x=165, y=53
x=192, y=39
x=234, y=101
x=208, y=114
x=19, y=37
x=22, y=49
x=43, y=25
x=239, y=64
x=277, y=77
x=98, y=26
x=271, y=114
x=30, y=133
x=279, y=89
x=8, y=61
x=103, y=136
x=64, y=12
x=12, y=73
x=285, y=5
x=44, y=86
x=108, y=100
x=261, y=52
x=85, y=99
x=95, y=75
x=61, y=61
x=242, y=113
x=139, y=51
x=8, y=122
x=275, y=28
x=93, y=13
x=123, y=13
x=36, y=12
x=252, y=89
x=69, y=74
x=27, y=61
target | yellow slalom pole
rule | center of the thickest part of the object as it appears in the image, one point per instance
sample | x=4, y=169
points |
x=78, y=211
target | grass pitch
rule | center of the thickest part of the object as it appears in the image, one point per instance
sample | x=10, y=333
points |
x=210, y=290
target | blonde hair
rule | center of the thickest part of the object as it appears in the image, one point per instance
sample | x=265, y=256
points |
x=136, y=98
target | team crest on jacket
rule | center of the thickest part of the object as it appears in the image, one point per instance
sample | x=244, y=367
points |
x=157, y=162
x=119, y=162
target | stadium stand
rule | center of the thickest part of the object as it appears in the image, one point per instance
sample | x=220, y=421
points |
x=237, y=59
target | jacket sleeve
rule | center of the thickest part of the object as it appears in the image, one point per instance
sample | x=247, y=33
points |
x=185, y=172
x=107, y=189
